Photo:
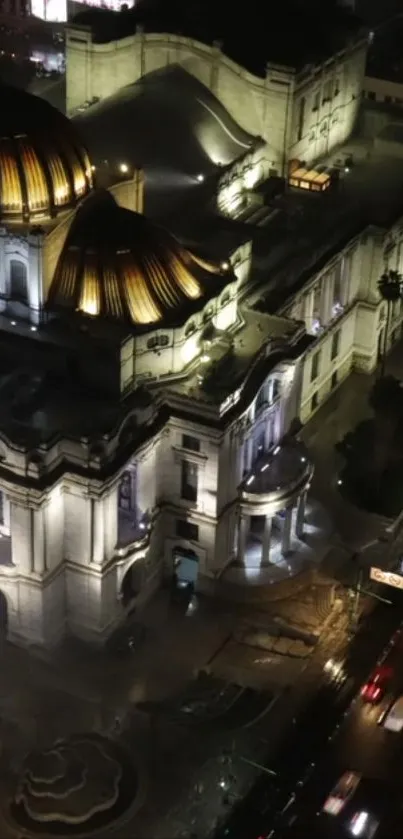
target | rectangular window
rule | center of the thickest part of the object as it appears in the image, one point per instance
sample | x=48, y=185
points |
x=187, y=530
x=334, y=380
x=337, y=295
x=335, y=345
x=314, y=402
x=388, y=99
x=301, y=118
x=371, y=95
x=327, y=91
x=189, y=481
x=346, y=268
x=1, y=508
x=317, y=301
x=316, y=102
x=315, y=366
x=190, y=443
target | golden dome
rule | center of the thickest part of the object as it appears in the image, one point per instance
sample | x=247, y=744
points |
x=117, y=264
x=44, y=168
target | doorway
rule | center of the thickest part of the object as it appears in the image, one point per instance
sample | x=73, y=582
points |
x=186, y=566
x=132, y=583
x=3, y=615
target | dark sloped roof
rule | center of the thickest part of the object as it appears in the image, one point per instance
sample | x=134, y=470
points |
x=117, y=264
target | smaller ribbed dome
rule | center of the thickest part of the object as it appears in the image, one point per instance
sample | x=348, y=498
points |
x=44, y=167
x=117, y=264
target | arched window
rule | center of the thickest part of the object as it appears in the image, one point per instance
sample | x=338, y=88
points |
x=126, y=495
x=261, y=398
x=157, y=341
x=191, y=327
x=18, y=288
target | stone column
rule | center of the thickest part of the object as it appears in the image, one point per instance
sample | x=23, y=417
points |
x=35, y=276
x=21, y=537
x=249, y=455
x=110, y=511
x=39, y=540
x=299, y=527
x=98, y=547
x=242, y=534
x=286, y=538
x=309, y=310
x=266, y=541
x=268, y=435
x=3, y=271
x=326, y=299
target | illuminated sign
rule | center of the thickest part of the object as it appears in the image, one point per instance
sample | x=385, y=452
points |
x=386, y=577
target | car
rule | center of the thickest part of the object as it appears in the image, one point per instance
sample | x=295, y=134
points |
x=341, y=793
x=363, y=824
x=375, y=687
x=393, y=720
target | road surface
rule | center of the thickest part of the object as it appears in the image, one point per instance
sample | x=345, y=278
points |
x=307, y=758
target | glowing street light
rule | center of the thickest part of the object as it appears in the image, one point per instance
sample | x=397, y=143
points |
x=124, y=168
x=200, y=178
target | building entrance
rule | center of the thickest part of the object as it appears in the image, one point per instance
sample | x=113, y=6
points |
x=3, y=615
x=186, y=566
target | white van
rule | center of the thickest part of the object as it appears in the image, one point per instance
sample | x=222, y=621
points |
x=394, y=719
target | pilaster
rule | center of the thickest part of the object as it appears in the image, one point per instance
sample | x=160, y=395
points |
x=35, y=275
x=268, y=522
x=242, y=534
x=21, y=537
x=299, y=527
x=286, y=537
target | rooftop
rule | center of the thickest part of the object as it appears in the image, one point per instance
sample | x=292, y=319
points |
x=286, y=467
x=298, y=33
x=118, y=265
x=247, y=356
x=309, y=229
x=45, y=167
x=194, y=134
x=41, y=400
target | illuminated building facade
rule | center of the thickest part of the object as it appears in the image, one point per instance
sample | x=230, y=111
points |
x=138, y=398
x=300, y=114
x=149, y=405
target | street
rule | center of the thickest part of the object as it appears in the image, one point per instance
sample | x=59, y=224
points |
x=363, y=746
x=334, y=732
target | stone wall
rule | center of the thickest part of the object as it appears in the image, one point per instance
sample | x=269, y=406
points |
x=266, y=107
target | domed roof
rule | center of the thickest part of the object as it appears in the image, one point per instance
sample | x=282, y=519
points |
x=44, y=167
x=117, y=264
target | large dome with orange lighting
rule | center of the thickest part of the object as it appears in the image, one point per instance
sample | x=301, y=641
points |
x=44, y=167
x=117, y=264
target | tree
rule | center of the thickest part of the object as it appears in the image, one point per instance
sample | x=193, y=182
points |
x=373, y=452
x=390, y=288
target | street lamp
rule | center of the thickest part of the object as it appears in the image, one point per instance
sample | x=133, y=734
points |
x=390, y=287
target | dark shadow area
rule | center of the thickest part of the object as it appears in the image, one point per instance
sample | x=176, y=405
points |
x=372, y=477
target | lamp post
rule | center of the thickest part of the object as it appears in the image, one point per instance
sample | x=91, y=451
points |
x=390, y=287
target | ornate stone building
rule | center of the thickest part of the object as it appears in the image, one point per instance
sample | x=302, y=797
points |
x=144, y=412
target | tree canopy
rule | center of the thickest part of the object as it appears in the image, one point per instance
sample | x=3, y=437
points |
x=372, y=476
